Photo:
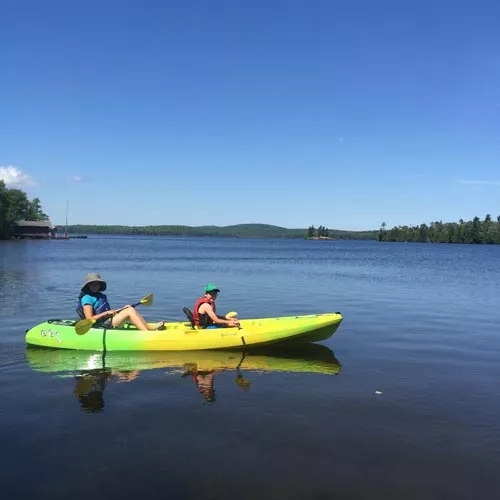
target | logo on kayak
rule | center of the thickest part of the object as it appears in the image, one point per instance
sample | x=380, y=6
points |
x=227, y=334
x=49, y=333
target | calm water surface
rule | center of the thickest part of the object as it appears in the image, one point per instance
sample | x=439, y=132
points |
x=403, y=402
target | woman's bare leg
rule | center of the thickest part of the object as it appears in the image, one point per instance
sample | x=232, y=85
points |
x=130, y=314
x=135, y=318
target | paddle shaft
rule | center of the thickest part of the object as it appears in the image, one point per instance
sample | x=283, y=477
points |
x=133, y=305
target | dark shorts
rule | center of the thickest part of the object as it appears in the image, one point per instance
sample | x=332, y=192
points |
x=107, y=323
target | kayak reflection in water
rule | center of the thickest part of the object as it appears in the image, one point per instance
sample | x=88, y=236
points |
x=204, y=380
x=90, y=386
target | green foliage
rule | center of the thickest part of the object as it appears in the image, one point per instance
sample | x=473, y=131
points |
x=239, y=230
x=3, y=209
x=34, y=211
x=475, y=231
x=321, y=232
x=16, y=203
x=14, y=206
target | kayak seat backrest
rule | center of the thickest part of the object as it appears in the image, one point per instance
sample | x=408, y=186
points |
x=189, y=315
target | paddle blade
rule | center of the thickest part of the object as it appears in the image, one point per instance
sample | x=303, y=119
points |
x=83, y=326
x=147, y=300
x=242, y=382
x=231, y=314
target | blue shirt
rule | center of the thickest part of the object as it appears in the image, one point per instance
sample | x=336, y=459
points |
x=89, y=300
x=98, y=303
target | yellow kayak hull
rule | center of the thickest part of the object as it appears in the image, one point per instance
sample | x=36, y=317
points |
x=309, y=358
x=181, y=336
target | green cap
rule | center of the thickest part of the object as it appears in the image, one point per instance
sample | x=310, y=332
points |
x=211, y=288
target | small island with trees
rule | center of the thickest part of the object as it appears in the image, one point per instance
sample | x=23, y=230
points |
x=320, y=233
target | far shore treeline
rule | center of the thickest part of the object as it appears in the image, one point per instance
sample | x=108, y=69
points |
x=475, y=231
x=238, y=231
x=15, y=206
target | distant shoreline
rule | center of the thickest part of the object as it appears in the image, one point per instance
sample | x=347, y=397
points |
x=235, y=231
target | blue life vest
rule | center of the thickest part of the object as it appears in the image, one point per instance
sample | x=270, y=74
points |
x=99, y=307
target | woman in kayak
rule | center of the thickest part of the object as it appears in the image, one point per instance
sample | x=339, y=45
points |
x=93, y=304
x=204, y=312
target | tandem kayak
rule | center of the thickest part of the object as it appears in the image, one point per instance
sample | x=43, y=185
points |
x=309, y=358
x=181, y=336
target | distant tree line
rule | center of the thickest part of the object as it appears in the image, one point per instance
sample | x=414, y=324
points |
x=321, y=231
x=474, y=231
x=15, y=206
x=235, y=231
x=239, y=230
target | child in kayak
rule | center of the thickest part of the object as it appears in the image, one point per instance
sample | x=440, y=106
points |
x=93, y=304
x=204, y=312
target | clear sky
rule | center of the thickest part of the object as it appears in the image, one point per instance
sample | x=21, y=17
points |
x=340, y=113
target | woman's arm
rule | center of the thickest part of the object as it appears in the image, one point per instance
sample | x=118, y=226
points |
x=88, y=310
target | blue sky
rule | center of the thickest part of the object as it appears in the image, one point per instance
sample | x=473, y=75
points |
x=292, y=113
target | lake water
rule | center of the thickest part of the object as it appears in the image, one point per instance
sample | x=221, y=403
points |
x=403, y=402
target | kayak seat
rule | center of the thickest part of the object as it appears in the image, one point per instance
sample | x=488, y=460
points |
x=189, y=315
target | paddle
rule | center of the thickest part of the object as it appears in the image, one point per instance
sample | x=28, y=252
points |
x=84, y=325
x=240, y=380
x=232, y=314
